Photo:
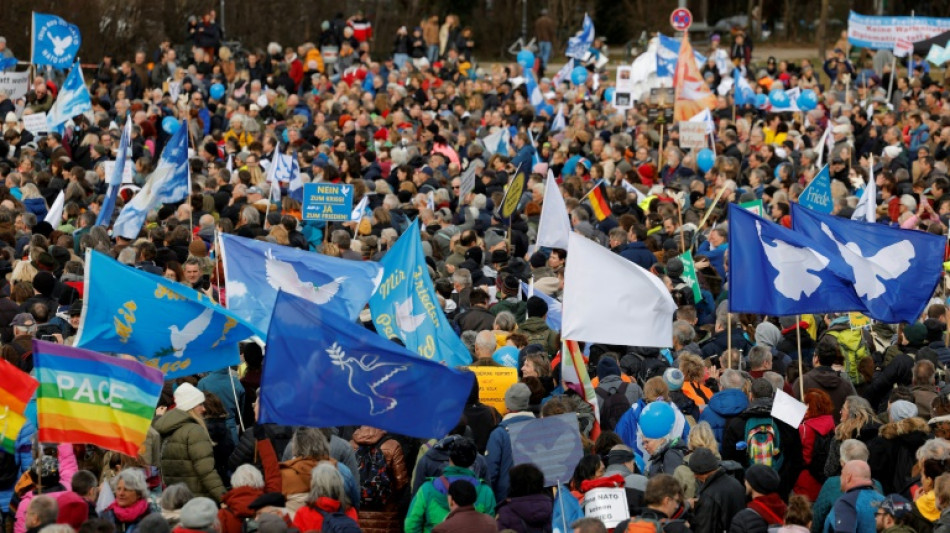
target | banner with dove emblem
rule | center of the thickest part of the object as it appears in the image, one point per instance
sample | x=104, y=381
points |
x=162, y=323
x=73, y=99
x=55, y=41
x=405, y=305
x=255, y=271
x=892, y=271
x=321, y=371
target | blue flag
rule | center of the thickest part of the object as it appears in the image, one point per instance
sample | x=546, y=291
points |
x=321, y=371
x=667, y=54
x=743, y=92
x=73, y=99
x=115, y=180
x=405, y=304
x=55, y=41
x=553, y=319
x=162, y=323
x=893, y=272
x=7, y=63
x=817, y=194
x=577, y=46
x=285, y=170
x=567, y=510
x=534, y=92
x=776, y=271
x=168, y=183
x=256, y=270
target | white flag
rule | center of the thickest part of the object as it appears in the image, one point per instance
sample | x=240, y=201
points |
x=55, y=214
x=610, y=300
x=554, y=227
x=866, y=209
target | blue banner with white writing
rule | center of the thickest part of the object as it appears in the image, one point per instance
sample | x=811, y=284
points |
x=55, y=41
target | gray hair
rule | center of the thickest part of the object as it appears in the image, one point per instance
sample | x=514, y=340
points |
x=853, y=450
x=134, y=479
x=485, y=341
x=731, y=379
x=326, y=481
x=683, y=332
x=463, y=277
x=45, y=508
x=505, y=321
x=29, y=219
x=57, y=528
x=758, y=356
x=127, y=255
x=934, y=449
x=776, y=379
x=247, y=476
x=310, y=442
x=251, y=215
x=176, y=496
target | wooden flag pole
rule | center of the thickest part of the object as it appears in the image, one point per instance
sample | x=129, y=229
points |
x=801, y=374
x=659, y=154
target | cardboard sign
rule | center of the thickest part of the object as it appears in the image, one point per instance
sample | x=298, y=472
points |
x=15, y=84
x=493, y=381
x=607, y=505
x=692, y=135
x=35, y=123
x=755, y=207
x=788, y=409
x=109, y=167
x=552, y=443
x=327, y=202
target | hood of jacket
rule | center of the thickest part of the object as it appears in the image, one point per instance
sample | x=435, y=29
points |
x=534, y=509
x=759, y=407
x=770, y=507
x=367, y=436
x=728, y=402
x=534, y=324
x=909, y=428
x=239, y=499
x=172, y=421
x=826, y=377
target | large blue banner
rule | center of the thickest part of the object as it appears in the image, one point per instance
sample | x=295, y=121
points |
x=867, y=31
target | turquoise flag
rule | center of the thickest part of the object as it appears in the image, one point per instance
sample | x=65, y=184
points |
x=817, y=195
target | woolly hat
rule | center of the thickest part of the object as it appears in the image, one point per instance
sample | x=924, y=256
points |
x=763, y=479
x=674, y=378
x=900, y=410
x=517, y=397
x=607, y=366
x=703, y=461
x=199, y=513
x=73, y=510
x=187, y=397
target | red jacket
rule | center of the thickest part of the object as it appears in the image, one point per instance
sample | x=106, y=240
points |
x=309, y=519
x=807, y=485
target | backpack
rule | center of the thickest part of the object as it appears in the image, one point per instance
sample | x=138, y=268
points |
x=820, y=451
x=763, y=442
x=376, y=485
x=643, y=368
x=639, y=524
x=853, y=349
x=612, y=406
x=337, y=522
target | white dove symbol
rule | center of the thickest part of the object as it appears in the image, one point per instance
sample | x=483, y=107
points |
x=379, y=373
x=282, y=276
x=407, y=321
x=181, y=338
x=888, y=263
x=60, y=44
x=793, y=264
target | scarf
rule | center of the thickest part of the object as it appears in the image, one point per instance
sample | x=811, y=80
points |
x=927, y=505
x=131, y=513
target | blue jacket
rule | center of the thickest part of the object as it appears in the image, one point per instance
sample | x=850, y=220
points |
x=23, y=457
x=854, y=512
x=830, y=492
x=629, y=424
x=637, y=252
x=716, y=256
x=499, y=456
x=726, y=403
x=37, y=206
x=219, y=383
x=525, y=155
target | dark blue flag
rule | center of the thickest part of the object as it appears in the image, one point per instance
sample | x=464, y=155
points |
x=322, y=370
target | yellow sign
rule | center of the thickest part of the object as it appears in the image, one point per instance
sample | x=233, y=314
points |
x=493, y=381
x=858, y=320
x=512, y=195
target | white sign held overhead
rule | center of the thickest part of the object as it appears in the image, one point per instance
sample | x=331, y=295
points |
x=35, y=123
x=788, y=409
x=692, y=135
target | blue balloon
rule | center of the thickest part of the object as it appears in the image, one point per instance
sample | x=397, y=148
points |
x=761, y=99
x=526, y=58
x=807, y=100
x=705, y=159
x=506, y=356
x=217, y=91
x=657, y=419
x=609, y=94
x=578, y=75
x=170, y=125
x=778, y=98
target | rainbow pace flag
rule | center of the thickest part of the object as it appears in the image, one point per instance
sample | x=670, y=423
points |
x=575, y=377
x=16, y=389
x=90, y=398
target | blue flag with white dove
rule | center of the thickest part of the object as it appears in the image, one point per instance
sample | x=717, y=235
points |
x=161, y=323
x=285, y=170
x=168, y=183
x=73, y=99
x=115, y=180
x=817, y=194
x=534, y=92
x=578, y=45
x=667, y=54
x=892, y=271
x=405, y=305
x=497, y=142
x=55, y=41
x=321, y=371
x=744, y=94
x=256, y=270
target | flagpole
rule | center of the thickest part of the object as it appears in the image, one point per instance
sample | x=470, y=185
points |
x=801, y=374
x=729, y=333
x=236, y=404
x=659, y=155
x=33, y=45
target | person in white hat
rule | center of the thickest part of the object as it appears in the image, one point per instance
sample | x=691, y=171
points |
x=187, y=450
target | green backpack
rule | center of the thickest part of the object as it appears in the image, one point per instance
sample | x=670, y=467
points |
x=853, y=349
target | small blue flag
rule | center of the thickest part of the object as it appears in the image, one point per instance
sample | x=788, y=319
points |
x=321, y=371
x=162, y=323
x=256, y=270
x=115, y=180
x=55, y=41
x=405, y=304
x=73, y=99
x=744, y=94
x=577, y=46
x=534, y=92
x=7, y=63
x=817, y=194
x=893, y=271
x=553, y=319
x=667, y=54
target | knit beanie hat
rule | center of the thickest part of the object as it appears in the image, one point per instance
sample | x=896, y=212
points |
x=674, y=379
x=187, y=397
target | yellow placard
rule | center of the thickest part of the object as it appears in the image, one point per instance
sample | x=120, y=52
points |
x=513, y=195
x=858, y=320
x=493, y=381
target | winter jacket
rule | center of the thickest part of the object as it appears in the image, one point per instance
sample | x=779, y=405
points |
x=67, y=468
x=854, y=511
x=225, y=387
x=668, y=525
x=188, y=454
x=295, y=480
x=892, y=454
x=720, y=498
x=37, y=206
x=499, y=454
x=826, y=379
x=434, y=461
x=381, y=519
x=539, y=332
x=762, y=512
x=722, y=407
x=234, y=510
x=637, y=252
x=466, y=520
x=718, y=343
x=830, y=492
x=244, y=453
x=526, y=514
x=430, y=506
x=789, y=344
x=475, y=319
x=23, y=458
x=667, y=458
x=942, y=525
x=789, y=442
x=809, y=431
x=629, y=425
x=309, y=518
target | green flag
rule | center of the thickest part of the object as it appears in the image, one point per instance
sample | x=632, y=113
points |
x=689, y=275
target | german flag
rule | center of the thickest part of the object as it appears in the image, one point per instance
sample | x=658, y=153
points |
x=598, y=201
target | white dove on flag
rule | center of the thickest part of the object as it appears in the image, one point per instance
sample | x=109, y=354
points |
x=60, y=44
x=794, y=264
x=283, y=276
x=405, y=320
x=888, y=263
x=379, y=373
x=181, y=338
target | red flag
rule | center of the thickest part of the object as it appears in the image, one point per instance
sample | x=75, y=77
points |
x=692, y=93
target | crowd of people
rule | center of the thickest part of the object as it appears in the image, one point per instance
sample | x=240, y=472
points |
x=687, y=431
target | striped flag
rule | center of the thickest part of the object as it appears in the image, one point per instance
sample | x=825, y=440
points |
x=597, y=197
x=16, y=389
x=90, y=398
x=575, y=377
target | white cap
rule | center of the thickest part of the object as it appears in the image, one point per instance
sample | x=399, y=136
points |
x=187, y=397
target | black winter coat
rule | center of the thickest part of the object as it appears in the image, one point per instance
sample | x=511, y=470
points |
x=720, y=497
